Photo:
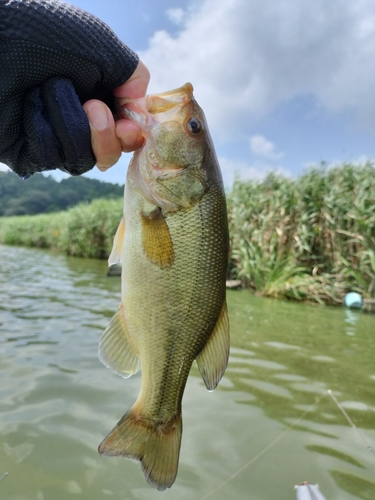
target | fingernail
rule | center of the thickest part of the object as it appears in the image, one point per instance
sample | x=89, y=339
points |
x=97, y=116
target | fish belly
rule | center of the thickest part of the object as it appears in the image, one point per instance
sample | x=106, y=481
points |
x=171, y=312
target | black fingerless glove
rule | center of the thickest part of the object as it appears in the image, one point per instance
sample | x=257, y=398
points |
x=53, y=58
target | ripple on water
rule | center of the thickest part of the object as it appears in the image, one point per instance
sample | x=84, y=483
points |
x=282, y=345
x=291, y=377
x=265, y=363
x=268, y=387
x=323, y=359
x=57, y=401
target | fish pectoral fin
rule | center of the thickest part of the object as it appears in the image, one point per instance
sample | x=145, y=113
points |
x=118, y=242
x=116, y=349
x=213, y=359
x=156, y=239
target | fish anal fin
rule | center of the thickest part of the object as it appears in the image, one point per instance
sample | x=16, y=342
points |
x=156, y=239
x=213, y=359
x=116, y=349
x=156, y=445
x=118, y=241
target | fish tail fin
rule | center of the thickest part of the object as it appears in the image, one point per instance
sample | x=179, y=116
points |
x=156, y=446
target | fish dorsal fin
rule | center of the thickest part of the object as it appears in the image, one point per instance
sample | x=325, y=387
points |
x=118, y=242
x=213, y=359
x=116, y=348
x=156, y=239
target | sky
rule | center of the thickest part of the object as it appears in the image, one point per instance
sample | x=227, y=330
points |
x=283, y=84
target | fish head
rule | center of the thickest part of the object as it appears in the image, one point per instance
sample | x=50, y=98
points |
x=176, y=164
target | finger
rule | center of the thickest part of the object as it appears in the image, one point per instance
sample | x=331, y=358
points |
x=105, y=143
x=129, y=134
x=127, y=131
x=137, y=84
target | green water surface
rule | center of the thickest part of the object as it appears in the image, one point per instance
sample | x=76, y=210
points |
x=256, y=436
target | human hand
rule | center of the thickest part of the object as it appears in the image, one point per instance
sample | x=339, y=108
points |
x=53, y=58
x=109, y=138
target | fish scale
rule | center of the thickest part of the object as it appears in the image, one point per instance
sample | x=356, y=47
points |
x=191, y=291
x=173, y=245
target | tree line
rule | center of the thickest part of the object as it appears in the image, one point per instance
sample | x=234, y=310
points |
x=43, y=194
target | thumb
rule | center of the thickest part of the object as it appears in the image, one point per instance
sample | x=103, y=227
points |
x=136, y=86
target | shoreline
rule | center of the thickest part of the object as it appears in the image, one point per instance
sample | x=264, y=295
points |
x=309, y=239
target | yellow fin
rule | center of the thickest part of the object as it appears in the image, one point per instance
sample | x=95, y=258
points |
x=156, y=239
x=116, y=253
x=213, y=359
x=116, y=349
x=155, y=444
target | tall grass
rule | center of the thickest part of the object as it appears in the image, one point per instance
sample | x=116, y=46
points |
x=310, y=238
x=86, y=230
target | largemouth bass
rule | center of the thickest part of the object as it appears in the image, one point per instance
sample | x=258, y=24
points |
x=173, y=246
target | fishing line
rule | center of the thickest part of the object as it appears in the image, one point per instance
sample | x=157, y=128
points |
x=341, y=408
x=3, y=476
x=264, y=449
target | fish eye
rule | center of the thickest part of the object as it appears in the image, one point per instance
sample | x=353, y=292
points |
x=194, y=126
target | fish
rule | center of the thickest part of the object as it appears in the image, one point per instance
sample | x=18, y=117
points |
x=173, y=245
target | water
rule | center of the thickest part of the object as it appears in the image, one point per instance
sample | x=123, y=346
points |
x=57, y=401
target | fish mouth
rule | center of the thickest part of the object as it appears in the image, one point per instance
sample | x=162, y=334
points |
x=159, y=103
x=156, y=103
x=187, y=88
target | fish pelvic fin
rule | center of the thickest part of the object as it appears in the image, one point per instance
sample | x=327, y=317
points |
x=118, y=242
x=156, y=239
x=213, y=359
x=116, y=348
x=156, y=445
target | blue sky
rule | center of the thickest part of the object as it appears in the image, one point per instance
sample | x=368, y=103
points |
x=283, y=84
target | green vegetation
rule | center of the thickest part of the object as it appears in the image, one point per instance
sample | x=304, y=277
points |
x=41, y=194
x=86, y=230
x=311, y=238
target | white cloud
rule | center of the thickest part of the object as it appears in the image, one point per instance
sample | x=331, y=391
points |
x=238, y=169
x=260, y=146
x=176, y=16
x=245, y=57
x=235, y=168
x=359, y=161
x=3, y=167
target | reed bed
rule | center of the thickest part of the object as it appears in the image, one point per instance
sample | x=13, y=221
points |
x=310, y=238
x=86, y=230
